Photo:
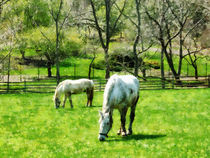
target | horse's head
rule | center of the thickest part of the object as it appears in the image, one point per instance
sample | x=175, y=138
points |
x=105, y=125
x=57, y=103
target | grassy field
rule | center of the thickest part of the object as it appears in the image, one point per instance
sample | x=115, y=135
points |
x=168, y=123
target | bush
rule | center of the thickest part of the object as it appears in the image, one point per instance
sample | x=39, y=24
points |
x=72, y=48
x=99, y=64
x=153, y=64
x=120, y=56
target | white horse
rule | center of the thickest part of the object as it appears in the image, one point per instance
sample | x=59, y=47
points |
x=121, y=92
x=69, y=87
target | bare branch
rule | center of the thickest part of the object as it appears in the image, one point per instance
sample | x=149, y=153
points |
x=97, y=24
x=128, y=17
x=10, y=52
x=3, y=2
x=64, y=20
x=126, y=69
x=144, y=50
x=121, y=12
x=193, y=27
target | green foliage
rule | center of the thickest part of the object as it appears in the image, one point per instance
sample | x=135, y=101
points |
x=36, y=13
x=73, y=48
x=168, y=123
x=99, y=64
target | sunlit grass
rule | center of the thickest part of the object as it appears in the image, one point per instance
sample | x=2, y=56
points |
x=168, y=123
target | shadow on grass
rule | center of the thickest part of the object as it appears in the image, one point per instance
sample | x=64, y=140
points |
x=93, y=106
x=137, y=137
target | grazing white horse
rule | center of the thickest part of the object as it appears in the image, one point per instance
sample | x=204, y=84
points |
x=121, y=92
x=69, y=87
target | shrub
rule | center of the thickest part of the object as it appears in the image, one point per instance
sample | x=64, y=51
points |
x=72, y=48
x=99, y=64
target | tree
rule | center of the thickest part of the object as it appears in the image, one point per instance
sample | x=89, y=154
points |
x=193, y=54
x=107, y=28
x=59, y=16
x=36, y=13
x=2, y=3
x=141, y=39
x=9, y=31
x=171, y=20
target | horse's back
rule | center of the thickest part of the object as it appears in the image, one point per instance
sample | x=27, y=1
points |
x=125, y=82
x=77, y=86
x=120, y=91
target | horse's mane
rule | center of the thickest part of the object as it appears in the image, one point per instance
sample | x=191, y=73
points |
x=56, y=91
x=109, y=88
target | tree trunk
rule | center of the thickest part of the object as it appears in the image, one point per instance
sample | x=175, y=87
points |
x=162, y=68
x=180, y=53
x=107, y=75
x=90, y=66
x=136, y=61
x=196, y=71
x=49, y=69
x=57, y=54
x=8, y=72
x=23, y=54
x=171, y=64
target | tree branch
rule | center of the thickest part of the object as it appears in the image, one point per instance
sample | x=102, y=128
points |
x=97, y=24
x=121, y=12
x=128, y=17
x=3, y=2
x=126, y=69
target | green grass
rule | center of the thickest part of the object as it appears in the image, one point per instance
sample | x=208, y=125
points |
x=168, y=123
x=70, y=67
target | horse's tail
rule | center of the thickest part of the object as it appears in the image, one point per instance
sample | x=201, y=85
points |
x=91, y=89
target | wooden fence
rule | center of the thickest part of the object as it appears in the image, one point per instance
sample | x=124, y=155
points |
x=150, y=84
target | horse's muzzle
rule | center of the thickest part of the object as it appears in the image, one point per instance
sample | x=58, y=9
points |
x=102, y=136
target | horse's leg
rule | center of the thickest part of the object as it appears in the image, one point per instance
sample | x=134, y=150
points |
x=132, y=116
x=64, y=100
x=70, y=100
x=123, y=120
x=120, y=131
x=91, y=96
x=89, y=93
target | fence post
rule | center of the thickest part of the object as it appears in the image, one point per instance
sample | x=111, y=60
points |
x=206, y=69
x=24, y=85
x=38, y=72
x=208, y=81
x=173, y=83
x=100, y=85
x=187, y=70
x=3, y=70
x=8, y=72
x=93, y=73
x=74, y=71
x=163, y=83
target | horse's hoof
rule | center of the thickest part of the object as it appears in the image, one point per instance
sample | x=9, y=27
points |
x=124, y=134
x=129, y=132
x=119, y=132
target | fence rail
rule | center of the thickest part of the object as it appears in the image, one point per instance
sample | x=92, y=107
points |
x=152, y=84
